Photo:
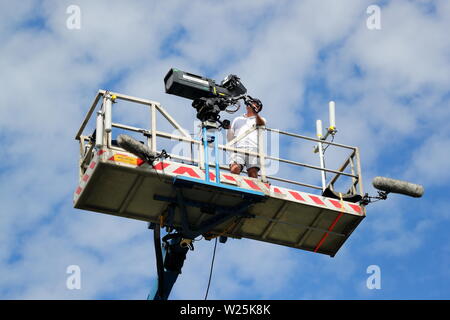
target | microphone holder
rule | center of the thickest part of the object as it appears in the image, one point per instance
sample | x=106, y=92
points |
x=382, y=195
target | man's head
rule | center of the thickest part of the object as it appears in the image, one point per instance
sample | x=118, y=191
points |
x=250, y=109
x=253, y=105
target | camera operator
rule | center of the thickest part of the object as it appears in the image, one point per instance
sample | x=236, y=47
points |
x=248, y=143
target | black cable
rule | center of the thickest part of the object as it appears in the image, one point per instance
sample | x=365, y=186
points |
x=192, y=148
x=159, y=260
x=211, y=270
x=157, y=174
x=161, y=157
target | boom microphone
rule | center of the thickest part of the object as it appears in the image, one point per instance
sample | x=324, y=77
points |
x=397, y=186
x=135, y=147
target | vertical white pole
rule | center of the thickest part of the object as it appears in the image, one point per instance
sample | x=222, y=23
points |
x=216, y=154
x=201, y=164
x=108, y=117
x=358, y=162
x=99, y=130
x=261, y=153
x=319, y=145
x=206, y=151
x=153, y=120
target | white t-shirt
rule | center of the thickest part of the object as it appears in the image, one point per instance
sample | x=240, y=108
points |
x=239, y=126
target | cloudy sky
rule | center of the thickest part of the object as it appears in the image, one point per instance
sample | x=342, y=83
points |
x=391, y=87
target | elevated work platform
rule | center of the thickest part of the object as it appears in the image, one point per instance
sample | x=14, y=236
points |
x=177, y=194
x=118, y=183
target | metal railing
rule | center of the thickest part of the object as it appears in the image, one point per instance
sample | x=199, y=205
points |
x=103, y=137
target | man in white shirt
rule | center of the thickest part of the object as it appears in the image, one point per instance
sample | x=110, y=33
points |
x=249, y=143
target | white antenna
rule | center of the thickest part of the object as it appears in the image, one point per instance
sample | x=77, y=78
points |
x=99, y=130
x=108, y=105
x=319, y=129
x=330, y=130
x=332, y=110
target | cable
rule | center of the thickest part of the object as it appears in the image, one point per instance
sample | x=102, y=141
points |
x=211, y=270
x=237, y=107
x=323, y=153
x=162, y=155
x=325, y=149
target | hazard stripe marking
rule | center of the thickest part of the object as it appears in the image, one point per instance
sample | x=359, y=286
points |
x=337, y=204
x=296, y=195
x=252, y=184
x=355, y=207
x=229, y=178
x=212, y=176
x=276, y=190
x=189, y=171
x=317, y=200
x=195, y=172
x=161, y=166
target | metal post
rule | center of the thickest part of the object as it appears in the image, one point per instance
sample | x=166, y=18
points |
x=358, y=162
x=153, y=120
x=322, y=165
x=320, y=150
x=261, y=153
x=205, y=148
x=216, y=155
x=201, y=164
x=352, y=168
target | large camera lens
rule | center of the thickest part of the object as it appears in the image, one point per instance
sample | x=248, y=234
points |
x=226, y=124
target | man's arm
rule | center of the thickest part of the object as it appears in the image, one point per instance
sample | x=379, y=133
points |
x=230, y=132
x=259, y=120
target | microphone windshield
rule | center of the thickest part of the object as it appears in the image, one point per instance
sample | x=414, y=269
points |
x=398, y=186
x=135, y=147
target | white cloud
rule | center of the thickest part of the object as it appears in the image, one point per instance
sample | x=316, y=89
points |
x=391, y=89
x=429, y=163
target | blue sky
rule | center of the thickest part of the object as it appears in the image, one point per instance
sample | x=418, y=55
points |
x=391, y=88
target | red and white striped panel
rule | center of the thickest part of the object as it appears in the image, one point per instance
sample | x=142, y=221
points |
x=87, y=175
x=316, y=200
x=179, y=169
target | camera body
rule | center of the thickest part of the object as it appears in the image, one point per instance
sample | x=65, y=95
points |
x=209, y=99
x=191, y=86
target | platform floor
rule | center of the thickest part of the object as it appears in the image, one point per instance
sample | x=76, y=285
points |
x=120, y=184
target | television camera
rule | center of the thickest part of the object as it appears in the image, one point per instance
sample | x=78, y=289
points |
x=209, y=98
